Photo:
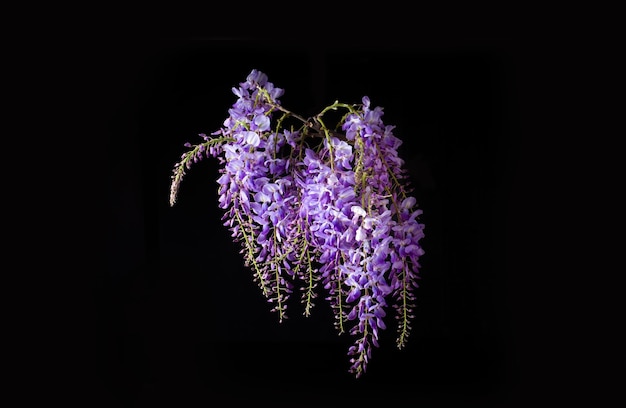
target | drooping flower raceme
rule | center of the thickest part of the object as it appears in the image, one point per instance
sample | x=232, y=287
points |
x=310, y=205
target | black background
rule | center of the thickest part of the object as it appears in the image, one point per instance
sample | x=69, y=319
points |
x=506, y=143
x=179, y=311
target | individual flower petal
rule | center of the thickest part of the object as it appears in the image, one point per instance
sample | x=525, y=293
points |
x=252, y=138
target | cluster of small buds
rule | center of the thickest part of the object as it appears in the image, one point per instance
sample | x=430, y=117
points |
x=309, y=205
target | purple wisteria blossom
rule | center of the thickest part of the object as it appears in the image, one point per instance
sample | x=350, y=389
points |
x=313, y=206
x=327, y=196
x=383, y=181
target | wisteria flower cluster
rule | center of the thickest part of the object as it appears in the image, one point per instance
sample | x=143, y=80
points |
x=325, y=209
